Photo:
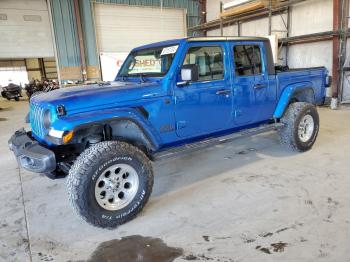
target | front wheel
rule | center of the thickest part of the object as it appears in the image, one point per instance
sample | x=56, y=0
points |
x=110, y=183
x=301, y=126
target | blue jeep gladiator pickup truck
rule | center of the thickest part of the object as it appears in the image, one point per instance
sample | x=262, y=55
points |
x=168, y=98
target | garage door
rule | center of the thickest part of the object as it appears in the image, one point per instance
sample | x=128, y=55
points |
x=120, y=28
x=25, y=29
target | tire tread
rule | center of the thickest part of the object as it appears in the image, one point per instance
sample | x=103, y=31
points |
x=77, y=178
x=287, y=135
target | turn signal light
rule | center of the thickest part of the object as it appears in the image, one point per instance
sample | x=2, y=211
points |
x=67, y=137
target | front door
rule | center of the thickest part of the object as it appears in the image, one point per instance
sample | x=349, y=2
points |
x=204, y=106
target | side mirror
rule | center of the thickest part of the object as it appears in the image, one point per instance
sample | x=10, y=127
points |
x=189, y=73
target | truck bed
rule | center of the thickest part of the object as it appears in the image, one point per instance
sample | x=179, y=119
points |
x=283, y=69
x=314, y=77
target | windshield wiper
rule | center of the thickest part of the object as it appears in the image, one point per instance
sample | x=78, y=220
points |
x=104, y=83
x=124, y=77
x=142, y=77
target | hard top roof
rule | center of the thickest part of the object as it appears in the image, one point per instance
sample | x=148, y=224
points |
x=226, y=38
x=202, y=39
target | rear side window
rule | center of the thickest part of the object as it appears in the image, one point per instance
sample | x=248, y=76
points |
x=247, y=60
x=209, y=60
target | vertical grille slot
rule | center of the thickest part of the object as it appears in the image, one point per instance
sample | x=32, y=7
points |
x=36, y=120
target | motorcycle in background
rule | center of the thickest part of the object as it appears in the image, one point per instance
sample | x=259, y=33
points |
x=36, y=87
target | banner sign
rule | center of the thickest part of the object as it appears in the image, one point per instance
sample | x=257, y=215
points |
x=147, y=64
x=110, y=64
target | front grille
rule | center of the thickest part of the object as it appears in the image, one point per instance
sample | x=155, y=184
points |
x=36, y=116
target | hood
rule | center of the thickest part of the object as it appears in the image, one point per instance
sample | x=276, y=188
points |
x=98, y=96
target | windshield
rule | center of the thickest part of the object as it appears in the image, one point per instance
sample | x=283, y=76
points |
x=149, y=62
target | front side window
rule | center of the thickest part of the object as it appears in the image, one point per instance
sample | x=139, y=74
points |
x=149, y=62
x=247, y=60
x=209, y=60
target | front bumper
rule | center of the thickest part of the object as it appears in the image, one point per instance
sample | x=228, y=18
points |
x=30, y=154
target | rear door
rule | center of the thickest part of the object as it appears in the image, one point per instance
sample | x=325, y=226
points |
x=265, y=86
x=204, y=106
x=250, y=83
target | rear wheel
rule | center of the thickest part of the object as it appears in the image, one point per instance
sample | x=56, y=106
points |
x=301, y=128
x=110, y=183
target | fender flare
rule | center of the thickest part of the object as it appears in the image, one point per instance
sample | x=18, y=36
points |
x=110, y=117
x=293, y=91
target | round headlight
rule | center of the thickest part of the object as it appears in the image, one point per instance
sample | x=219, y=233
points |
x=47, y=119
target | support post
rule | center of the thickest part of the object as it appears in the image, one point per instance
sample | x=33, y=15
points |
x=221, y=22
x=203, y=9
x=53, y=37
x=270, y=17
x=42, y=68
x=343, y=46
x=335, y=55
x=81, y=40
x=288, y=31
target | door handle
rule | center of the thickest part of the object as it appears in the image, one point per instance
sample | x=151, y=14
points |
x=259, y=86
x=223, y=92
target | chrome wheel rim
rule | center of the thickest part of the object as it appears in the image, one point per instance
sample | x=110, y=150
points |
x=306, y=128
x=116, y=187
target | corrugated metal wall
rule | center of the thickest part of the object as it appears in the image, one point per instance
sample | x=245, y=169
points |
x=65, y=30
